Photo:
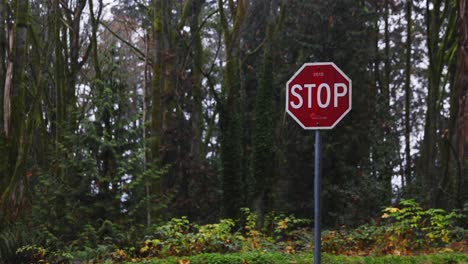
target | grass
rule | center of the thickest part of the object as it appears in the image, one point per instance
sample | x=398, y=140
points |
x=280, y=258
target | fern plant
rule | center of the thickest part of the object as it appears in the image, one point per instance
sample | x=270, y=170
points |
x=13, y=236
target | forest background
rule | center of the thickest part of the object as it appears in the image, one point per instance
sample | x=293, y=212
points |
x=133, y=112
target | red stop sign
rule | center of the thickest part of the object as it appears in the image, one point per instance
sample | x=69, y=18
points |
x=318, y=95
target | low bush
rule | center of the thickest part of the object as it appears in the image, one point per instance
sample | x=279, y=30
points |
x=401, y=230
x=179, y=237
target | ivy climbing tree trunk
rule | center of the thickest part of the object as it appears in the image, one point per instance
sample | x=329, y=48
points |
x=230, y=117
x=263, y=134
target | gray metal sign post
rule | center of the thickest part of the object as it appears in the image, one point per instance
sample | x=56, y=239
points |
x=318, y=96
x=317, y=230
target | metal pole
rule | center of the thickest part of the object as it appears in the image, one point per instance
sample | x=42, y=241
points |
x=317, y=230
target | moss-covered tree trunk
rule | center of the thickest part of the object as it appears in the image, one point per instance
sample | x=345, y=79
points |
x=263, y=135
x=157, y=85
x=230, y=117
x=172, y=113
x=15, y=100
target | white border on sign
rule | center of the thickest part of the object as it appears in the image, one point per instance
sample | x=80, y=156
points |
x=318, y=64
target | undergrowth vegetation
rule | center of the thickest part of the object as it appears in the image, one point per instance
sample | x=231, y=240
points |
x=400, y=230
x=406, y=229
x=281, y=258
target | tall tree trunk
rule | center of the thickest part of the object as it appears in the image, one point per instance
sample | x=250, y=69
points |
x=197, y=92
x=230, y=121
x=157, y=83
x=74, y=64
x=462, y=83
x=440, y=17
x=75, y=44
x=374, y=98
x=94, y=44
x=386, y=88
x=67, y=60
x=263, y=135
x=409, y=26
x=17, y=103
x=3, y=50
x=59, y=79
x=15, y=100
x=146, y=150
x=8, y=81
x=428, y=154
x=171, y=110
x=18, y=87
x=153, y=187
x=388, y=142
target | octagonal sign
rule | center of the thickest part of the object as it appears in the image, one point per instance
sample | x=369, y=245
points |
x=318, y=95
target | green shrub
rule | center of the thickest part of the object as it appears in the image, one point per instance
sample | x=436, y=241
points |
x=400, y=230
x=411, y=227
x=32, y=254
x=38, y=254
x=12, y=237
x=179, y=237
